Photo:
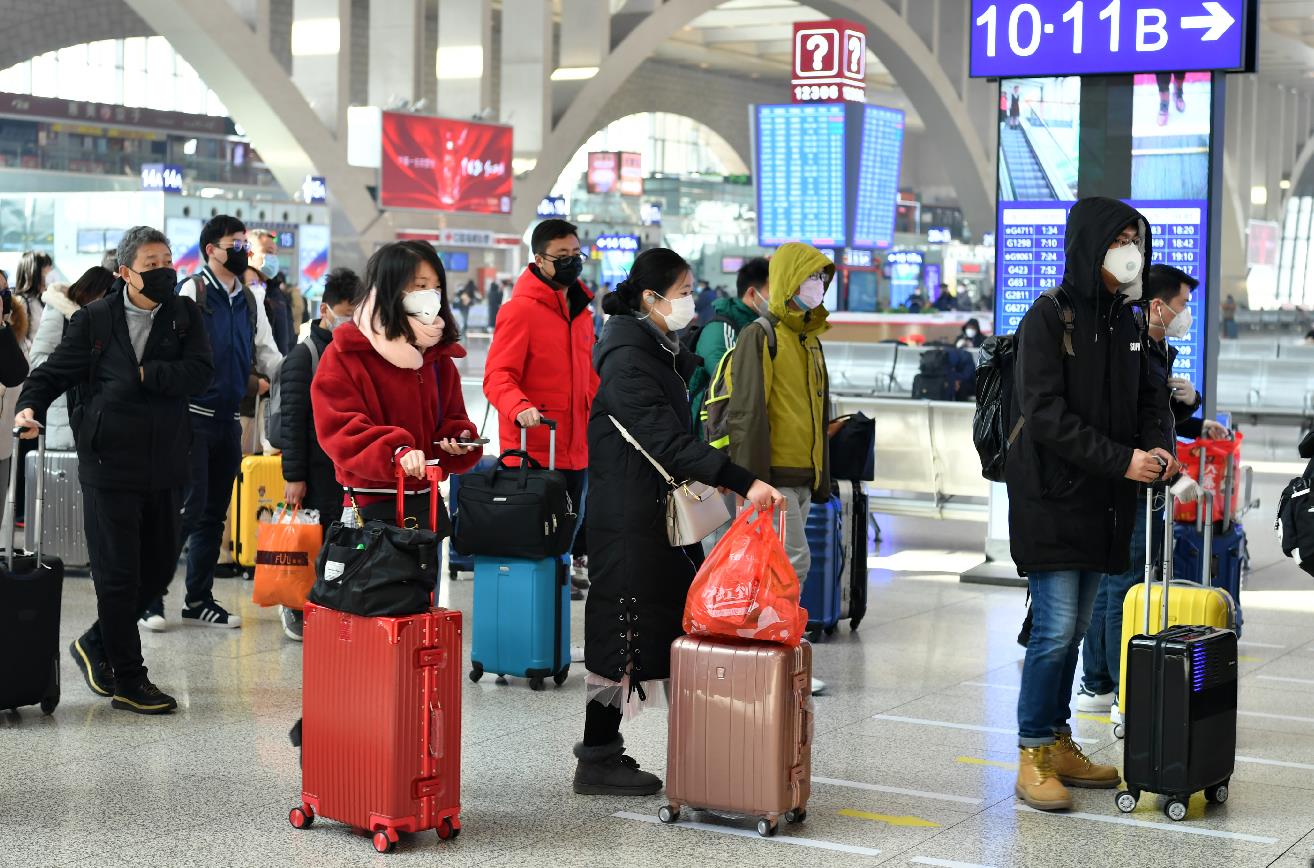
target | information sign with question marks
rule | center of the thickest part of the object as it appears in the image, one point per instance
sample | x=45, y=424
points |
x=830, y=61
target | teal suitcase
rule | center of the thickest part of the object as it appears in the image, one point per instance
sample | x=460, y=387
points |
x=521, y=619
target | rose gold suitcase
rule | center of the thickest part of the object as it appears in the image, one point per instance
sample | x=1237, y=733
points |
x=740, y=737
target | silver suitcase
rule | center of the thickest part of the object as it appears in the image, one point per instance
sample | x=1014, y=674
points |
x=63, y=532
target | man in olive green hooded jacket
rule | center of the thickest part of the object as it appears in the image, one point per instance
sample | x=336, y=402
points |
x=779, y=405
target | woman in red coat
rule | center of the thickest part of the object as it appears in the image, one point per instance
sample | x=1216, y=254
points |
x=387, y=392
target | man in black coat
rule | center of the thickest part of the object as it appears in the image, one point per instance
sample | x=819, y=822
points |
x=136, y=355
x=307, y=470
x=1091, y=431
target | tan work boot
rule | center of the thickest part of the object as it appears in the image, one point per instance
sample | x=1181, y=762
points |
x=1075, y=770
x=1037, y=782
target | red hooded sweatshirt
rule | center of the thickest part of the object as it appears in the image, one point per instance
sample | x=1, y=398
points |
x=366, y=409
x=542, y=356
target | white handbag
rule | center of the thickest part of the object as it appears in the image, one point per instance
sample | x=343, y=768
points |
x=693, y=510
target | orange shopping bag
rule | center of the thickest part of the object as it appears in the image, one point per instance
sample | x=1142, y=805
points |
x=286, y=549
x=747, y=588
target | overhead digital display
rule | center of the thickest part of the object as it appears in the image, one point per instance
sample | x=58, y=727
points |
x=1030, y=260
x=441, y=164
x=879, y=164
x=800, y=174
x=1013, y=38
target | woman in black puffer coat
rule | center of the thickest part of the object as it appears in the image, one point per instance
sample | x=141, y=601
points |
x=638, y=580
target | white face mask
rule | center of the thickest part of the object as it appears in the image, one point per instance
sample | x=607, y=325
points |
x=970, y=332
x=1125, y=264
x=424, y=305
x=1180, y=327
x=681, y=313
x=811, y=293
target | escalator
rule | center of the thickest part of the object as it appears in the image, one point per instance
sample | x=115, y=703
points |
x=1028, y=177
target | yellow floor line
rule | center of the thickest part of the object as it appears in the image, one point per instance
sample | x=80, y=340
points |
x=1094, y=718
x=977, y=761
x=890, y=819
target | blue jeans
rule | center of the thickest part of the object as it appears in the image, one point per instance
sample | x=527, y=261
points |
x=1061, y=604
x=216, y=457
x=1101, y=656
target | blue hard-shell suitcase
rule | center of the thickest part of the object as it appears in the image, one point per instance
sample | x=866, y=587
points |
x=458, y=563
x=822, y=592
x=521, y=619
x=1230, y=558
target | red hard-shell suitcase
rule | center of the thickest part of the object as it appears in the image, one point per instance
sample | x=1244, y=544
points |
x=381, y=731
x=740, y=731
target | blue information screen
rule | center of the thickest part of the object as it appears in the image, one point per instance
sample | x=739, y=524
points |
x=800, y=157
x=879, y=164
x=1030, y=260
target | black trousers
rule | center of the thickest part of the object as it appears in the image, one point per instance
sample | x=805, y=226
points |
x=133, y=539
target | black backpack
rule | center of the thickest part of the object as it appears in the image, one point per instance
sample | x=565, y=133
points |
x=689, y=339
x=1295, y=519
x=933, y=387
x=993, y=428
x=934, y=363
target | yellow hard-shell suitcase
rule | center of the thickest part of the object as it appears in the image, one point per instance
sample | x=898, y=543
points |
x=1191, y=603
x=257, y=490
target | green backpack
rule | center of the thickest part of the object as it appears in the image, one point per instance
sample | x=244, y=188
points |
x=716, y=408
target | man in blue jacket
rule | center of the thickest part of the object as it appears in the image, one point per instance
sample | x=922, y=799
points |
x=245, y=358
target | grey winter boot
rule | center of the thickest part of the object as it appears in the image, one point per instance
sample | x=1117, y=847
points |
x=608, y=771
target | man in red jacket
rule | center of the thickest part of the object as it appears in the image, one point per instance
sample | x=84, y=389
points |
x=550, y=376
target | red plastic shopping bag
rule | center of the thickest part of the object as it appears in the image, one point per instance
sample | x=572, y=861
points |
x=1222, y=467
x=747, y=587
x=286, y=548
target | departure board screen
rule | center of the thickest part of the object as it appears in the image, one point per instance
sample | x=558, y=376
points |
x=1030, y=256
x=879, y=163
x=800, y=174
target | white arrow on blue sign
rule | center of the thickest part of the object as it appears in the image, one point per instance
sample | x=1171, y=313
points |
x=1016, y=38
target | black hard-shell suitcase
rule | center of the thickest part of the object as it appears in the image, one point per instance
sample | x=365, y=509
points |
x=854, y=526
x=1180, y=716
x=31, y=586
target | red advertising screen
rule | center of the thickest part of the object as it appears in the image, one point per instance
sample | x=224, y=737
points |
x=439, y=164
x=604, y=171
x=631, y=175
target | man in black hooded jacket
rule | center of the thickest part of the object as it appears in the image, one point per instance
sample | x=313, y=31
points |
x=1091, y=431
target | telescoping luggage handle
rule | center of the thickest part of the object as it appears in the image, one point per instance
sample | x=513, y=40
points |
x=526, y=460
x=1166, y=568
x=552, y=440
x=435, y=475
x=11, y=500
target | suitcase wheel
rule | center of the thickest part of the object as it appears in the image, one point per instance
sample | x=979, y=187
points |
x=447, y=830
x=476, y=672
x=830, y=631
x=383, y=842
x=766, y=828
x=536, y=683
x=1126, y=802
x=1175, y=810
x=560, y=678
x=501, y=679
x=668, y=814
x=1217, y=794
x=1119, y=730
x=301, y=818
x=796, y=816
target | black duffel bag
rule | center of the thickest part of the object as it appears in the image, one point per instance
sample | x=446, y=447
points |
x=381, y=569
x=516, y=512
x=853, y=448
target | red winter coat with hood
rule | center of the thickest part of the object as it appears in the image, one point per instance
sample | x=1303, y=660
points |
x=367, y=409
x=542, y=356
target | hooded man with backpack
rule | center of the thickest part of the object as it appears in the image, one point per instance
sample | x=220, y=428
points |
x=1088, y=429
x=710, y=341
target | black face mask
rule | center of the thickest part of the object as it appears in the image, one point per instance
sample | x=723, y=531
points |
x=158, y=284
x=566, y=271
x=236, y=261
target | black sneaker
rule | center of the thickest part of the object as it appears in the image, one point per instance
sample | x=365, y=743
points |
x=293, y=623
x=228, y=571
x=143, y=698
x=94, y=667
x=210, y=614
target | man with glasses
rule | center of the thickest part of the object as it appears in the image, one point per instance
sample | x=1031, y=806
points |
x=551, y=375
x=1090, y=429
x=245, y=357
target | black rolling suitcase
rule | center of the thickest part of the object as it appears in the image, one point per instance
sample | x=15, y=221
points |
x=1180, y=718
x=31, y=587
x=853, y=581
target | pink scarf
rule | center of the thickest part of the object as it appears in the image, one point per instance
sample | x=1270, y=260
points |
x=398, y=352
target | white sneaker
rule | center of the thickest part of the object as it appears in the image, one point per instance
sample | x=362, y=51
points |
x=153, y=621
x=1115, y=715
x=1094, y=703
x=818, y=687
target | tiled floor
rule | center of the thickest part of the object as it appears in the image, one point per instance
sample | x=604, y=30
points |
x=212, y=784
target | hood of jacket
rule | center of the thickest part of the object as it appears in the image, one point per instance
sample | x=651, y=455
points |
x=1093, y=225
x=736, y=311
x=789, y=267
x=348, y=338
x=628, y=331
x=57, y=298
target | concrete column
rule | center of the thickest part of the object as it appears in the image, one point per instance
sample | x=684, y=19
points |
x=464, y=58
x=321, y=57
x=526, y=60
x=396, y=34
x=585, y=42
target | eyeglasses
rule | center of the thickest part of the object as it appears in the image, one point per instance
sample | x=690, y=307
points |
x=1123, y=242
x=236, y=244
x=576, y=257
